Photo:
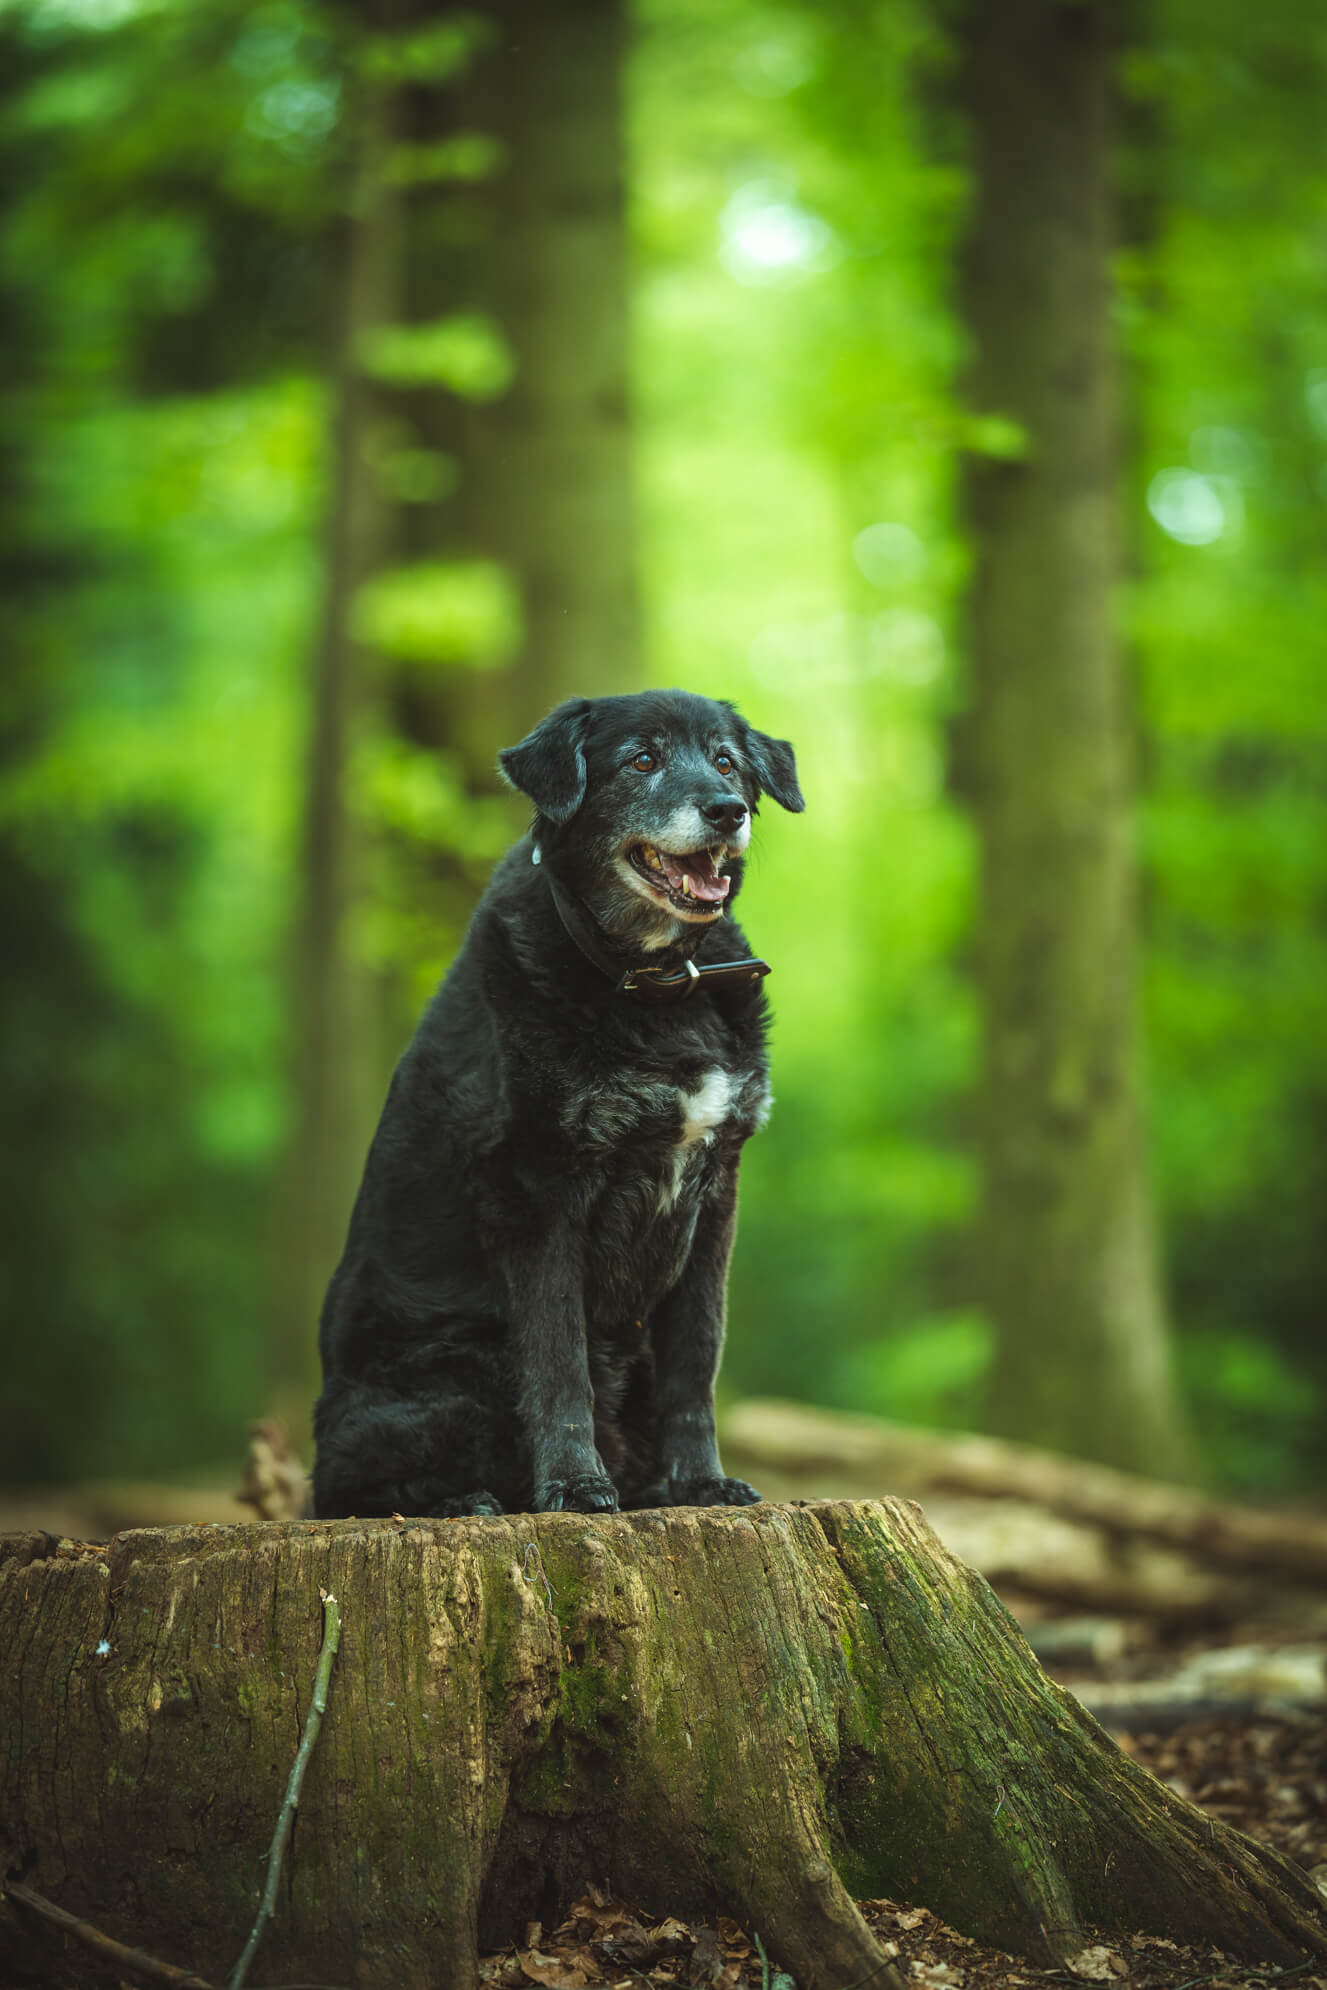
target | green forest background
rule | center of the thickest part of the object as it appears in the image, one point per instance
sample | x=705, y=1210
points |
x=176, y=186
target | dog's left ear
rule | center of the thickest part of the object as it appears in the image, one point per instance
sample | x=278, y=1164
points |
x=776, y=769
x=549, y=763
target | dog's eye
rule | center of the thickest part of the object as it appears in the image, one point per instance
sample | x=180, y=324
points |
x=724, y=763
x=644, y=763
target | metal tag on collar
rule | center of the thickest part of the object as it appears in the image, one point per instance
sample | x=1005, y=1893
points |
x=636, y=979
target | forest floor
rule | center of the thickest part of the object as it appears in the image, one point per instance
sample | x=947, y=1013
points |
x=1266, y=1776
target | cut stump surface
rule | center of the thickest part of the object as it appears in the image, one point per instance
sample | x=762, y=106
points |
x=762, y=1712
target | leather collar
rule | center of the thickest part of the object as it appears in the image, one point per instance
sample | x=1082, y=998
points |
x=648, y=984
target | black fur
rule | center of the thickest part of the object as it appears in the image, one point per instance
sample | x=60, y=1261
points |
x=530, y=1309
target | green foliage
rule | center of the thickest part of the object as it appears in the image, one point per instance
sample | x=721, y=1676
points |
x=931, y=1373
x=160, y=567
x=466, y=353
x=440, y=612
x=426, y=54
x=171, y=180
x=838, y=395
x=469, y=155
x=785, y=252
x=409, y=804
x=1227, y=329
x=1261, y=1415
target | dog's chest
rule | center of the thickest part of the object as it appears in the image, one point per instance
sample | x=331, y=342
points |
x=661, y=1123
x=706, y=1108
x=654, y=1151
x=704, y=1112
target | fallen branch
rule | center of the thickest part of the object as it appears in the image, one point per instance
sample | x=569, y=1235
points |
x=1044, y=1525
x=137, y=1960
x=286, y=1815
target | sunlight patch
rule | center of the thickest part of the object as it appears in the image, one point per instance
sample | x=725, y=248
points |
x=765, y=236
x=774, y=66
x=889, y=554
x=1187, y=506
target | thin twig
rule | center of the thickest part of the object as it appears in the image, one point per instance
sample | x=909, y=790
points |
x=774, y=1979
x=286, y=1816
x=137, y=1960
x=532, y=1548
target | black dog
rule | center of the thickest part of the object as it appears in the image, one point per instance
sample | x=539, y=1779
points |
x=530, y=1309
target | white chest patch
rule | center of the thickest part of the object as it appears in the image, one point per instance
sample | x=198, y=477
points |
x=703, y=1111
x=708, y=1106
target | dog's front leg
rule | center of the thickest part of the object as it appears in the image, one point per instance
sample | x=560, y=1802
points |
x=687, y=1335
x=553, y=1371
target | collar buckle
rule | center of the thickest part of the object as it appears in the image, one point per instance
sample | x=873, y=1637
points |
x=648, y=984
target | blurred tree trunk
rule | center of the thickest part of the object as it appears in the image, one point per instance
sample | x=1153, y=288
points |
x=549, y=462
x=490, y=222
x=556, y=497
x=1068, y=1249
x=512, y=169
x=535, y=250
x=331, y=1107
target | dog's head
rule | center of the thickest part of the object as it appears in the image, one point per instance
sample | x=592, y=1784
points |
x=644, y=805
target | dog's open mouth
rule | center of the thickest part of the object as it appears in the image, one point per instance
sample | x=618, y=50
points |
x=689, y=879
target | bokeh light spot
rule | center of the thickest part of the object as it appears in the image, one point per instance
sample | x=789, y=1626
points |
x=889, y=554
x=1187, y=506
x=765, y=236
x=772, y=67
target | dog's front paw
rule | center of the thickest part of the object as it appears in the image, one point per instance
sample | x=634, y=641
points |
x=712, y=1492
x=480, y=1504
x=432, y=1499
x=588, y=1494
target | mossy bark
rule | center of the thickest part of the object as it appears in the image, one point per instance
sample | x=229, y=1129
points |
x=763, y=1711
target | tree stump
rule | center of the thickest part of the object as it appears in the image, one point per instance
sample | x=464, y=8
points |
x=764, y=1712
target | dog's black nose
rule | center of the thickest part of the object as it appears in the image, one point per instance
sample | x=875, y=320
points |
x=725, y=811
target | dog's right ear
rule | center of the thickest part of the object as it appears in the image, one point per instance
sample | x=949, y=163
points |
x=549, y=763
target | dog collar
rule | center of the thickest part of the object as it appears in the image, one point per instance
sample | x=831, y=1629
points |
x=649, y=984
x=655, y=986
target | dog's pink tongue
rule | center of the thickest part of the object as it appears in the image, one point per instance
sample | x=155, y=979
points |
x=697, y=868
